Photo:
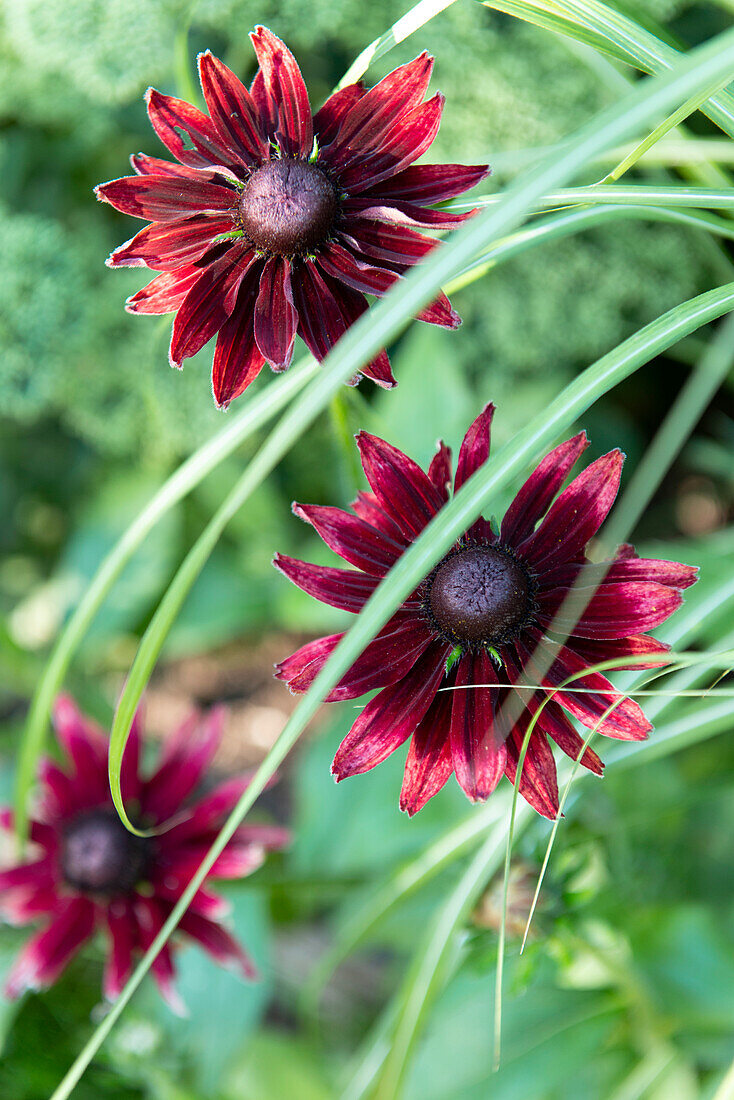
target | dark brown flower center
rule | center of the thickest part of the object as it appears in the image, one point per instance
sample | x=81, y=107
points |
x=480, y=595
x=100, y=856
x=288, y=206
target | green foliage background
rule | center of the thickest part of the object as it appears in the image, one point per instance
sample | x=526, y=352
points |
x=634, y=956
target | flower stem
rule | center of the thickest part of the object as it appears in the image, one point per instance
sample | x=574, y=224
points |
x=185, y=84
x=340, y=420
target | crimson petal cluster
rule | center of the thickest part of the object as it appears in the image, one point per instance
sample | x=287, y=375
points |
x=88, y=872
x=482, y=619
x=273, y=222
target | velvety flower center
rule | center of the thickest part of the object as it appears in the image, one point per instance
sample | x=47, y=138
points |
x=288, y=206
x=99, y=855
x=480, y=595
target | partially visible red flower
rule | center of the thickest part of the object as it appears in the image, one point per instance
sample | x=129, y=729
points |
x=275, y=222
x=478, y=620
x=88, y=872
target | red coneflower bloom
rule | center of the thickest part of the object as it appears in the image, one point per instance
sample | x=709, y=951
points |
x=90, y=873
x=276, y=222
x=479, y=618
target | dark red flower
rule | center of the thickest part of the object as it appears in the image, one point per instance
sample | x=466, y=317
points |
x=88, y=872
x=479, y=619
x=276, y=222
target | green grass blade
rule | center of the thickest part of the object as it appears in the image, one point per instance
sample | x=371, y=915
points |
x=668, y=124
x=420, y=14
x=265, y=406
x=577, y=220
x=640, y=194
x=597, y=25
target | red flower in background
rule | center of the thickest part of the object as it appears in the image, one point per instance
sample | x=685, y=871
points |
x=478, y=620
x=275, y=222
x=90, y=873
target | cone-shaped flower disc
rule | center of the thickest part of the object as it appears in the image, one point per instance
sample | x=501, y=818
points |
x=478, y=620
x=88, y=872
x=275, y=222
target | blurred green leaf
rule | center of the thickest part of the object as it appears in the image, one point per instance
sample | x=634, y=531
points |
x=222, y=1009
x=278, y=1065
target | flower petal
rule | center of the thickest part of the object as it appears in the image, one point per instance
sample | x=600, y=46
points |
x=165, y=293
x=336, y=261
x=276, y=319
x=671, y=573
x=232, y=110
x=321, y=319
x=163, y=198
x=237, y=358
x=584, y=574
x=204, y=310
x=439, y=471
x=329, y=118
x=207, y=812
x=150, y=915
x=40, y=833
x=391, y=244
x=399, y=213
x=408, y=140
x=48, y=952
x=388, y=657
x=391, y=716
x=306, y=662
x=357, y=542
x=326, y=309
x=534, y=498
x=58, y=798
x=343, y=588
x=218, y=943
x=86, y=748
x=475, y=446
x=121, y=928
x=538, y=781
x=594, y=652
x=590, y=695
x=38, y=873
x=576, y=515
x=368, y=508
x=429, y=763
x=441, y=313
x=166, y=246
x=556, y=725
x=614, y=611
x=25, y=904
x=371, y=121
x=477, y=746
x=185, y=756
x=188, y=133
x=284, y=87
x=380, y=372
x=404, y=491
x=143, y=165
x=426, y=184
